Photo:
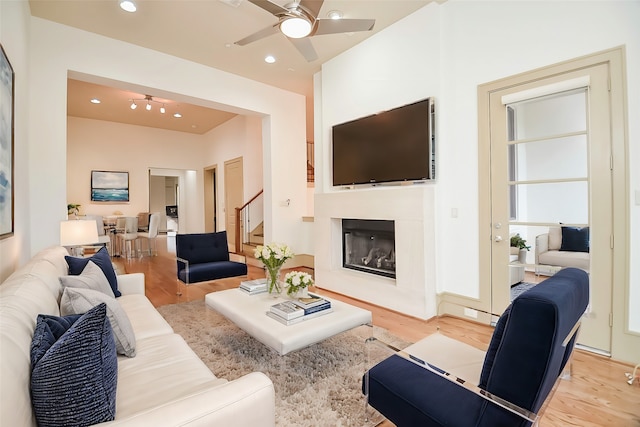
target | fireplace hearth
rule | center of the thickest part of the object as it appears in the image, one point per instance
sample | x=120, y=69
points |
x=369, y=246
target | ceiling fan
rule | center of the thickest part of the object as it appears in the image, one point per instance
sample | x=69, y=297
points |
x=298, y=21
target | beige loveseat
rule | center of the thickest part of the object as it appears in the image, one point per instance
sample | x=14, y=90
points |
x=165, y=384
x=548, y=252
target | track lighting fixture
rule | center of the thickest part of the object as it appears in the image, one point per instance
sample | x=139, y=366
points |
x=149, y=103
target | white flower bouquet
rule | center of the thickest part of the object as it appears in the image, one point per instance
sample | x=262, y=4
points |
x=296, y=281
x=273, y=256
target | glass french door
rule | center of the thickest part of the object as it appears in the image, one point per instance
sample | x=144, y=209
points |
x=550, y=168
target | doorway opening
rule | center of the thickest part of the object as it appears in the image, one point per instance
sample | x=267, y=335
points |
x=210, y=199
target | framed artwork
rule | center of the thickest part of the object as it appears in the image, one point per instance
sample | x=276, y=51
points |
x=6, y=146
x=107, y=186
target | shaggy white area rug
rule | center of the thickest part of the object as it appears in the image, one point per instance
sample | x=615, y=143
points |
x=316, y=386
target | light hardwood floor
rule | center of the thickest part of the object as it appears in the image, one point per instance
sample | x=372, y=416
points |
x=596, y=395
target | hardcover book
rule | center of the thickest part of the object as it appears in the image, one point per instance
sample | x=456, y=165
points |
x=298, y=319
x=253, y=287
x=287, y=310
x=310, y=301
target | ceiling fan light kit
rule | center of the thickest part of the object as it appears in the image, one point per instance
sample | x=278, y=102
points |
x=299, y=19
x=296, y=28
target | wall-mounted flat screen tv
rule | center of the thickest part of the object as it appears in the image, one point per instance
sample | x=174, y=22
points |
x=393, y=146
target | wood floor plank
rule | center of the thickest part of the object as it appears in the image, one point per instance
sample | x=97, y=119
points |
x=597, y=394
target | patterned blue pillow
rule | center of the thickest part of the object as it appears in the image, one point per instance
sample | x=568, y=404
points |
x=102, y=260
x=74, y=369
x=48, y=330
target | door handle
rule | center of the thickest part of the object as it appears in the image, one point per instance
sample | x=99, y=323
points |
x=498, y=238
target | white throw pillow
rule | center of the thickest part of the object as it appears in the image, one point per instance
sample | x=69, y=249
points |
x=79, y=300
x=555, y=238
x=91, y=277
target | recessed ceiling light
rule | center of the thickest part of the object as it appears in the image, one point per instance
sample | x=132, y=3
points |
x=335, y=14
x=95, y=101
x=177, y=115
x=128, y=5
x=269, y=59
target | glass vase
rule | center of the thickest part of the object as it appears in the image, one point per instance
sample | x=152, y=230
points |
x=273, y=281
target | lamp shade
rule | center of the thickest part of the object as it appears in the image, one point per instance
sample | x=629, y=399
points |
x=78, y=232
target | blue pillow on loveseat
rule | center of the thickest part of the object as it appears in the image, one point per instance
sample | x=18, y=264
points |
x=102, y=260
x=74, y=369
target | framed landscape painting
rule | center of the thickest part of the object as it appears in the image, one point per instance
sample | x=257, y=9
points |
x=6, y=146
x=109, y=186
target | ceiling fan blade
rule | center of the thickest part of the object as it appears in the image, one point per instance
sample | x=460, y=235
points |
x=272, y=8
x=333, y=26
x=305, y=47
x=265, y=32
x=312, y=6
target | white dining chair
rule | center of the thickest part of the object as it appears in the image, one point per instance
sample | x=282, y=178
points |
x=151, y=235
x=127, y=235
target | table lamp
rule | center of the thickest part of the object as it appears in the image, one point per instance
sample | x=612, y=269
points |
x=75, y=233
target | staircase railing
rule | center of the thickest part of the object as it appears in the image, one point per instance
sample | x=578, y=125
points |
x=251, y=212
x=310, y=162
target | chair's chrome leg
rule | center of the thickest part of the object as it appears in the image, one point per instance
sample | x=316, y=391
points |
x=568, y=370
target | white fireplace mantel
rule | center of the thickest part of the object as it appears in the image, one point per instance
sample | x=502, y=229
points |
x=413, y=291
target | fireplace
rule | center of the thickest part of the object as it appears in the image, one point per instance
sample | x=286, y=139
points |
x=369, y=246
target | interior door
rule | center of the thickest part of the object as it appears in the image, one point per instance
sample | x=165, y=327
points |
x=210, y=200
x=233, y=196
x=550, y=167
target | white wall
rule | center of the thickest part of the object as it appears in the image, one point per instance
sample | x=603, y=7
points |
x=448, y=50
x=58, y=51
x=14, y=37
x=377, y=75
x=238, y=137
x=101, y=145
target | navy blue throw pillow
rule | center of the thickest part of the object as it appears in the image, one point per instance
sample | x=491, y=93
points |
x=102, y=260
x=48, y=330
x=575, y=239
x=73, y=381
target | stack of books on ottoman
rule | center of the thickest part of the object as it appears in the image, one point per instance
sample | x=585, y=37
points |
x=253, y=287
x=299, y=310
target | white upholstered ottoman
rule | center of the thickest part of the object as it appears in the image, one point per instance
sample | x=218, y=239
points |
x=248, y=312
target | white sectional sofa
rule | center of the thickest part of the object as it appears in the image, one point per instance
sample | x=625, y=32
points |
x=165, y=384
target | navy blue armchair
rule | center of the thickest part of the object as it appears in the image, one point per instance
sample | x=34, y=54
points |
x=530, y=346
x=205, y=256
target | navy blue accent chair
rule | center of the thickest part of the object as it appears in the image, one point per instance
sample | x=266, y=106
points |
x=530, y=346
x=205, y=256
